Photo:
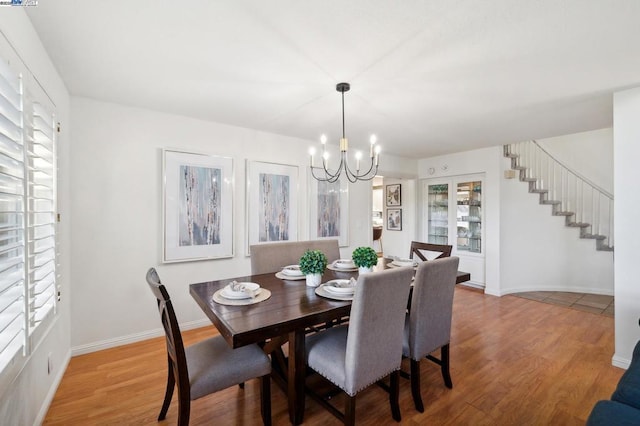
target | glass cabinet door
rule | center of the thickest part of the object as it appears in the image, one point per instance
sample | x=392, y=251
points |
x=438, y=214
x=469, y=216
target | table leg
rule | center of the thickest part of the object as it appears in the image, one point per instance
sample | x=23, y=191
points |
x=296, y=376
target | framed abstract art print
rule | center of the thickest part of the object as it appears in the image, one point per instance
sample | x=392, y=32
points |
x=329, y=210
x=272, y=202
x=198, y=206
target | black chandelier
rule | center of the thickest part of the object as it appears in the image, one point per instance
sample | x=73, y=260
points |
x=326, y=175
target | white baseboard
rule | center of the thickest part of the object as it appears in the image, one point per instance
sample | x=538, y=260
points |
x=132, y=338
x=618, y=361
x=52, y=390
x=473, y=284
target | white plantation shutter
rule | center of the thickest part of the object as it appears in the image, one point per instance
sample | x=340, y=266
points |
x=12, y=216
x=28, y=249
x=41, y=235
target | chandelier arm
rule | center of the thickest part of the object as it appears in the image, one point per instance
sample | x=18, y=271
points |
x=369, y=171
x=364, y=175
x=352, y=177
x=329, y=177
x=319, y=178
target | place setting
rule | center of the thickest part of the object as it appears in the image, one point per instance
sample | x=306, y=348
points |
x=290, y=273
x=343, y=265
x=399, y=262
x=337, y=289
x=241, y=293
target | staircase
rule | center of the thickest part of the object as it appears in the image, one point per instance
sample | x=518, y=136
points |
x=583, y=204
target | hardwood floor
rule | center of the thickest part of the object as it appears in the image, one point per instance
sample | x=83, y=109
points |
x=514, y=361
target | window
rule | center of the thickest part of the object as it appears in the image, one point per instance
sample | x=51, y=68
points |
x=27, y=216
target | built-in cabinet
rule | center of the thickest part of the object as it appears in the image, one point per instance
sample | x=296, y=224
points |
x=451, y=213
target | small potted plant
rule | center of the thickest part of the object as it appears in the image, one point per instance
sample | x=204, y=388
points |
x=365, y=258
x=312, y=264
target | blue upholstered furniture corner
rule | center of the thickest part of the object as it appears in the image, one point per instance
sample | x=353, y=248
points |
x=624, y=407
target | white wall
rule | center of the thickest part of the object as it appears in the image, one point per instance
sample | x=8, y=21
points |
x=590, y=154
x=117, y=205
x=626, y=110
x=487, y=161
x=377, y=202
x=24, y=400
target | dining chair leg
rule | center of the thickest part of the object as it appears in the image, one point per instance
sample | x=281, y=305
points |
x=184, y=409
x=171, y=384
x=265, y=399
x=415, y=385
x=444, y=356
x=350, y=411
x=394, y=395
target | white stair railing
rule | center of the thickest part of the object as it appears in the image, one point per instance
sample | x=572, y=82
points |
x=583, y=203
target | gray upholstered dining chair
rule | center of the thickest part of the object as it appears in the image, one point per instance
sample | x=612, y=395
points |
x=428, y=323
x=272, y=257
x=207, y=366
x=369, y=348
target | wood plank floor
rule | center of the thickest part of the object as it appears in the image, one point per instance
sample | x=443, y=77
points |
x=514, y=362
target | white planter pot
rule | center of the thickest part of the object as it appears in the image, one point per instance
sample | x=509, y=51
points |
x=365, y=269
x=313, y=280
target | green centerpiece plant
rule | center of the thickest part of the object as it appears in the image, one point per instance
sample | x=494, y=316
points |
x=365, y=258
x=313, y=264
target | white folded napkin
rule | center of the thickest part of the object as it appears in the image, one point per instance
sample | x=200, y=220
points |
x=236, y=287
x=342, y=286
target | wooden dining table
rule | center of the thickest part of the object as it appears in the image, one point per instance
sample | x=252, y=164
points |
x=284, y=317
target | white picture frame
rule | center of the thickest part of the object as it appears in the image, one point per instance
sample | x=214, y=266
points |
x=272, y=202
x=329, y=210
x=197, y=206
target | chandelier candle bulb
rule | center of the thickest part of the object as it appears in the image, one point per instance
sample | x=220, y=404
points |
x=373, y=142
x=312, y=152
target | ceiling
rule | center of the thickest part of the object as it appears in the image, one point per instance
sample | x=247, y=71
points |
x=428, y=77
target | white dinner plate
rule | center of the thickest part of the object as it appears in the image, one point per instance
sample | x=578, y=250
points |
x=344, y=264
x=403, y=262
x=227, y=293
x=321, y=291
x=340, y=287
x=292, y=270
